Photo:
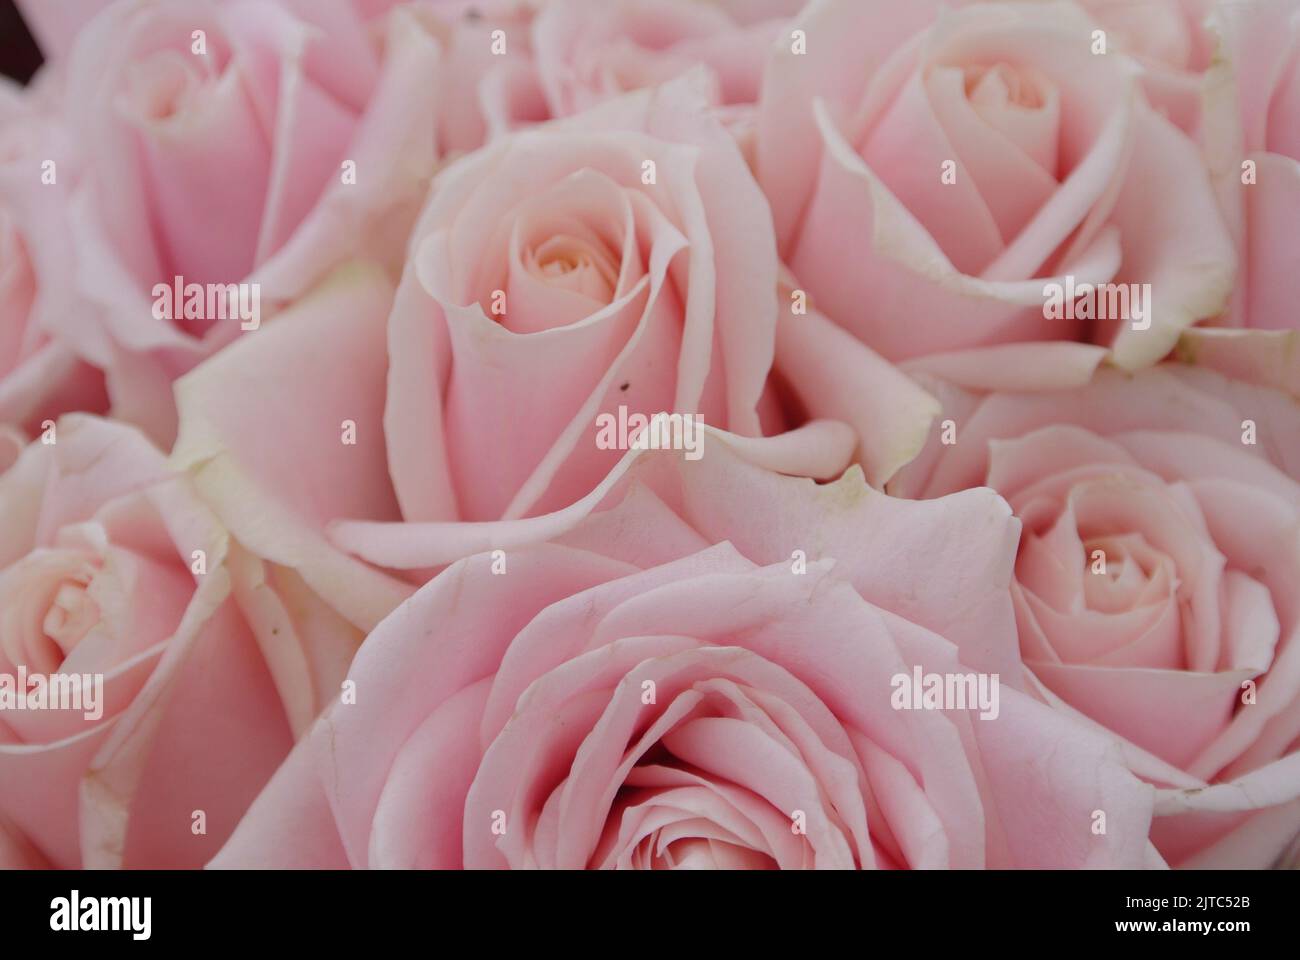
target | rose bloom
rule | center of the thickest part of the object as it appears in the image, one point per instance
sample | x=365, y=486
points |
x=1253, y=141
x=695, y=672
x=111, y=566
x=931, y=170
x=39, y=377
x=258, y=143
x=1155, y=582
x=549, y=283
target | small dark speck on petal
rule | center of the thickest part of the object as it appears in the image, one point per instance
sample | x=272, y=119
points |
x=625, y=386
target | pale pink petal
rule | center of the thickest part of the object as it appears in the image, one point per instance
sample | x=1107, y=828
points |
x=837, y=377
x=276, y=495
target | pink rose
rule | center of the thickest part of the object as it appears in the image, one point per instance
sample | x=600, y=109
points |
x=1170, y=40
x=112, y=570
x=1155, y=582
x=1253, y=134
x=256, y=144
x=931, y=171
x=40, y=378
x=700, y=671
x=566, y=278
x=589, y=52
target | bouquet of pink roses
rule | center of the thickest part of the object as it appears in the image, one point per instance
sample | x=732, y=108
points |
x=651, y=434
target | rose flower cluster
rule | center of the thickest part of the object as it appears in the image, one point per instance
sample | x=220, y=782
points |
x=647, y=434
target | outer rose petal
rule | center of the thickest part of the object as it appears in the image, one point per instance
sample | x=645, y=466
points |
x=1173, y=238
x=1247, y=115
x=1270, y=358
x=836, y=377
x=854, y=39
x=237, y=406
x=42, y=377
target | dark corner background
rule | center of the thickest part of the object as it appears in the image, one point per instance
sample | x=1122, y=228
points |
x=19, y=57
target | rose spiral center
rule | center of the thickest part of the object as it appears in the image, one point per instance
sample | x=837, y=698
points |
x=46, y=607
